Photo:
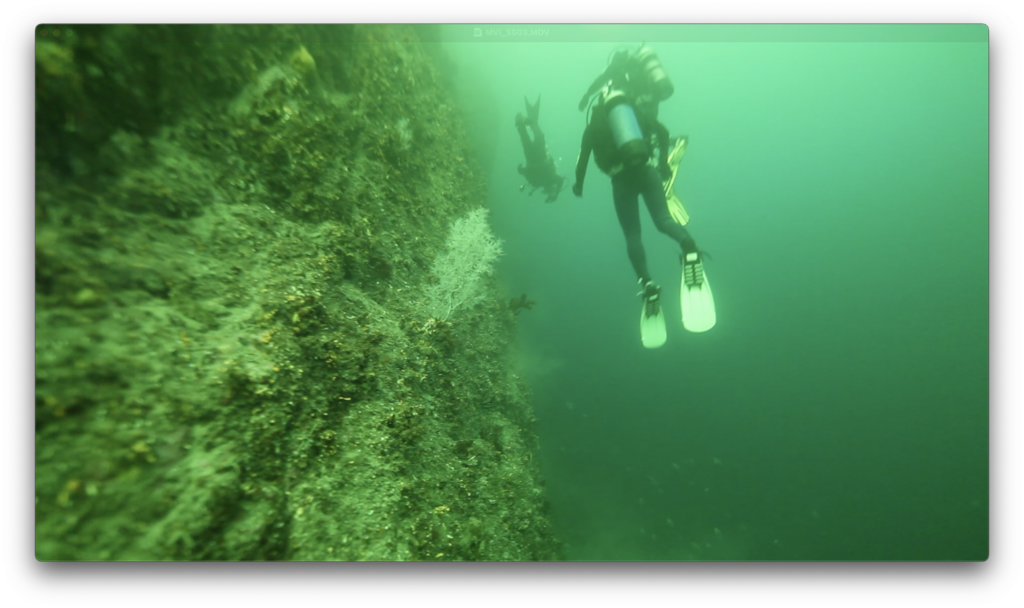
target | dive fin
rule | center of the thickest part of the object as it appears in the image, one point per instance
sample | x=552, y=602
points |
x=675, y=206
x=532, y=112
x=676, y=209
x=652, y=321
x=695, y=299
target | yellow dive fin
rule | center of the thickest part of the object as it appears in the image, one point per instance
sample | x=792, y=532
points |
x=675, y=206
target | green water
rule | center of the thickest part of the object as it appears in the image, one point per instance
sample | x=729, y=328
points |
x=839, y=409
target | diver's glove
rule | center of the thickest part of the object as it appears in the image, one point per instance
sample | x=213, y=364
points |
x=577, y=189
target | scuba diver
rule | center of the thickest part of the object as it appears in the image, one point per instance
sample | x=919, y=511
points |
x=540, y=167
x=622, y=134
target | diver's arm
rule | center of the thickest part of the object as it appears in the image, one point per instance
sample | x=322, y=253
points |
x=664, y=171
x=661, y=132
x=615, y=70
x=586, y=147
x=594, y=88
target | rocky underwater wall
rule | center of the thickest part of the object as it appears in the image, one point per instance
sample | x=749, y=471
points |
x=235, y=227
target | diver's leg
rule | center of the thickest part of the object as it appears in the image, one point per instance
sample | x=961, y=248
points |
x=654, y=198
x=627, y=208
x=538, y=139
x=537, y=153
x=524, y=137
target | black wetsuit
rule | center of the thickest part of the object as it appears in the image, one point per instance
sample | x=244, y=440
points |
x=630, y=181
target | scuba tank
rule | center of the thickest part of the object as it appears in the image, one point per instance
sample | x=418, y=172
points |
x=629, y=138
x=657, y=78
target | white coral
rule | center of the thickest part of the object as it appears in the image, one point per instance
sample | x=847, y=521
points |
x=469, y=255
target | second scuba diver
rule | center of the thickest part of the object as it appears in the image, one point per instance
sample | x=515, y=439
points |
x=540, y=167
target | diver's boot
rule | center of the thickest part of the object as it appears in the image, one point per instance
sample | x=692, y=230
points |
x=693, y=268
x=651, y=293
